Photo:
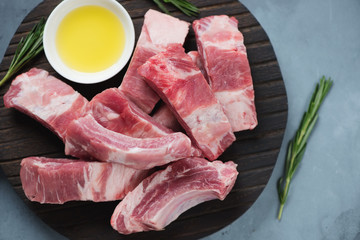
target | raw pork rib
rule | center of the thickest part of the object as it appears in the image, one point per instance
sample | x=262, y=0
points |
x=109, y=146
x=165, y=117
x=57, y=181
x=223, y=53
x=47, y=99
x=161, y=198
x=181, y=85
x=114, y=111
x=159, y=30
x=197, y=60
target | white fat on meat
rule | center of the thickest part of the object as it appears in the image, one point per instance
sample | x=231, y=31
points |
x=46, y=99
x=240, y=104
x=57, y=181
x=109, y=146
x=223, y=55
x=162, y=197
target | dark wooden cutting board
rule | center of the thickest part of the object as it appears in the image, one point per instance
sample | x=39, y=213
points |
x=255, y=151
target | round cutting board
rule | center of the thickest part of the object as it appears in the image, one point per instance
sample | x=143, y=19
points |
x=254, y=151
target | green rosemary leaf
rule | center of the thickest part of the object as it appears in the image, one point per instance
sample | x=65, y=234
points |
x=297, y=145
x=280, y=190
x=297, y=160
x=181, y=8
x=288, y=157
x=28, y=48
x=183, y=5
x=161, y=6
x=308, y=131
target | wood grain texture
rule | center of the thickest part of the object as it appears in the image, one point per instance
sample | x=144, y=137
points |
x=255, y=151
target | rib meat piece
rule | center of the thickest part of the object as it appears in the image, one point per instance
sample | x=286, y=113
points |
x=160, y=198
x=114, y=111
x=165, y=117
x=181, y=85
x=46, y=99
x=109, y=146
x=197, y=60
x=223, y=54
x=158, y=31
x=56, y=181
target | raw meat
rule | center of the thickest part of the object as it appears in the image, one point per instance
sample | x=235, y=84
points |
x=197, y=60
x=164, y=116
x=46, y=99
x=109, y=146
x=181, y=85
x=114, y=111
x=56, y=181
x=162, y=197
x=158, y=31
x=223, y=54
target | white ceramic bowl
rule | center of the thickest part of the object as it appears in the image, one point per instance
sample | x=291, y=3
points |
x=53, y=57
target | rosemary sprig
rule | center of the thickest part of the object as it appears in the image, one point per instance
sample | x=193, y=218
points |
x=297, y=145
x=27, y=49
x=183, y=5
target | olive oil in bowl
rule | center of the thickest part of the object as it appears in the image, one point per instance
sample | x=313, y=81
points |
x=90, y=39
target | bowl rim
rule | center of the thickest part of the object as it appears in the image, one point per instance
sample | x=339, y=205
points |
x=52, y=24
